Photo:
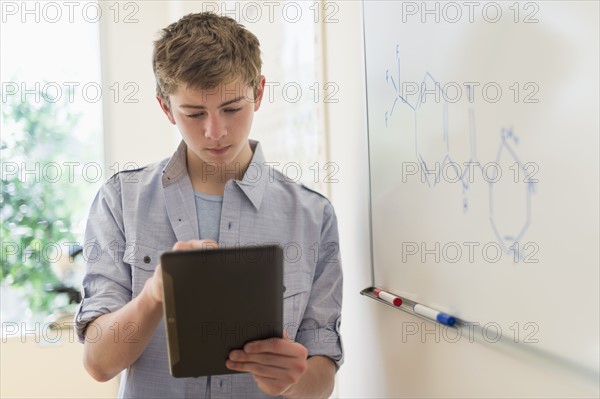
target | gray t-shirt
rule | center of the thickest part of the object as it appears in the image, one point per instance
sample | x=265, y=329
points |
x=208, y=208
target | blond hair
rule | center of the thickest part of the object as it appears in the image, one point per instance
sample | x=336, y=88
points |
x=203, y=51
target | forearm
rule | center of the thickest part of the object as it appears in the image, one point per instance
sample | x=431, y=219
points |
x=122, y=336
x=317, y=381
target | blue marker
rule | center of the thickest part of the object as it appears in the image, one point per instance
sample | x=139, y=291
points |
x=434, y=315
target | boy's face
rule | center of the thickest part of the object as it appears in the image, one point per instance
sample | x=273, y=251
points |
x=215, y=123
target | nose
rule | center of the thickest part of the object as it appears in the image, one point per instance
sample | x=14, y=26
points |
x=214, y=128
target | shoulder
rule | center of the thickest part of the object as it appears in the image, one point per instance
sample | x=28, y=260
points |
x=135, y=179
x=293, y=185
x=282, y=189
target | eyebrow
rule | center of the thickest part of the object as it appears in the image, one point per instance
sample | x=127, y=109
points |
x=226, y=103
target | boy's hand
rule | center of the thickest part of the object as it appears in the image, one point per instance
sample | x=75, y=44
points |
x=156, y=281
x=276, y=364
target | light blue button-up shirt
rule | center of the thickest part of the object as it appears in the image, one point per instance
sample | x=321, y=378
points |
x=139, y=214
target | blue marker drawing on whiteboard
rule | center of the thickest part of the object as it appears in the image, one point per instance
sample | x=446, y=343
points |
x=434, y=315
x=433, y=166
x=526, y=176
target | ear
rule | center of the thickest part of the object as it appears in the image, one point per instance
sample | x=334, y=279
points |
x=259, y=93
x=166, y=109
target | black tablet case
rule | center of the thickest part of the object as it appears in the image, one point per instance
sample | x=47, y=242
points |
x=216, y=300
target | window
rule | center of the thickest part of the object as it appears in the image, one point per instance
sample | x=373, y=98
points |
x=51, y=152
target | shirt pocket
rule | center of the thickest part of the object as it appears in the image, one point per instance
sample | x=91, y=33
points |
x=297, y=285
x=143, y=260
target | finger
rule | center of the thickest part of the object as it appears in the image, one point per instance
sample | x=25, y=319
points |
x=194, y=244
x=203, y=244
x=259, y=370
x=269, y=359
x=277, y=346
x=181, y=246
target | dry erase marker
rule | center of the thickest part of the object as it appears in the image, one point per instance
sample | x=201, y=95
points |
x=434, y=315
x=386, y=296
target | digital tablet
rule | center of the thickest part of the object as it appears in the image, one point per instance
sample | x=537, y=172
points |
x=217, y=300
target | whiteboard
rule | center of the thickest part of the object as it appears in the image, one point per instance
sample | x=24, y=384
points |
x=484, y=158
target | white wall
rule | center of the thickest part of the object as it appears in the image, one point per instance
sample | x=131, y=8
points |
x=378, y=363
x=361, y=374
x=135, y=129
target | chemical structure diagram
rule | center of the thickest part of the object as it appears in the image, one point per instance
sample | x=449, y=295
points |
x=436, y=166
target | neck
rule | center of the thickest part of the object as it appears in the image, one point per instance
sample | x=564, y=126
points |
x=210, y=178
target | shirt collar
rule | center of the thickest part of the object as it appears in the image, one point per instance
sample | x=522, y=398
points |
x=253, y=184
x=255, y=179
x=176, y=167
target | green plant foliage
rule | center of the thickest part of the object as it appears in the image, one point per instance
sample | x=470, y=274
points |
x=38, y=195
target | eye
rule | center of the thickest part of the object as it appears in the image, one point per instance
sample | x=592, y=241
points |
x=194, y=116
x=232, y=110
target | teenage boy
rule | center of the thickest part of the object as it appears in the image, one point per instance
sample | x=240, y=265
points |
x=216, y=188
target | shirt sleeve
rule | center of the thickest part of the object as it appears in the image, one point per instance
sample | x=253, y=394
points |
x=319, y=330
x=107, y=282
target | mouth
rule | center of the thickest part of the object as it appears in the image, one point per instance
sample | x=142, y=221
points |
x=218, y=150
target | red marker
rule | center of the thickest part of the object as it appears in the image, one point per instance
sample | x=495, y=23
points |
x=386, y=296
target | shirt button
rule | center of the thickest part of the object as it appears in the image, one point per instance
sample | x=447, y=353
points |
x=147, y=259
